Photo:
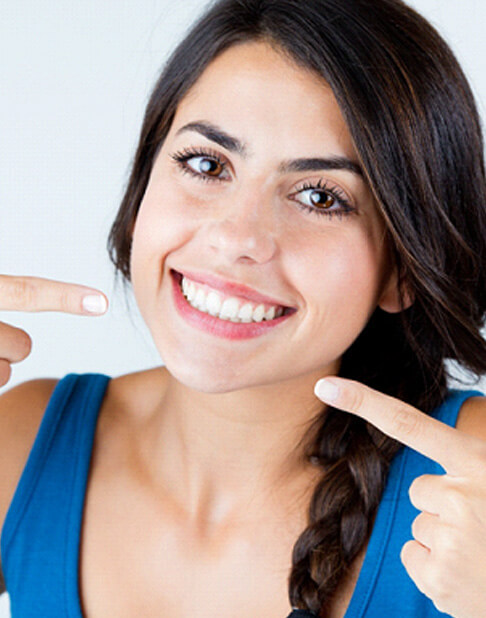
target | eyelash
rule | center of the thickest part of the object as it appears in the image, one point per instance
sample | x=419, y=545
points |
x=181, y=158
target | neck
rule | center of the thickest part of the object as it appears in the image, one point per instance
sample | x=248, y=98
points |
x=223, y=455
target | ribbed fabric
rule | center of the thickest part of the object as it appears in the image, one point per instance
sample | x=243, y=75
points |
x=40, y=538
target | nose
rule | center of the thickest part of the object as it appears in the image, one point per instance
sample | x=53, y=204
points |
x=245, y=229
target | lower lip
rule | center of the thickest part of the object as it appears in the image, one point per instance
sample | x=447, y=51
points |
x=215, y=326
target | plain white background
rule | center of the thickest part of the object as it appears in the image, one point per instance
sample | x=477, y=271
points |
x=75, y=77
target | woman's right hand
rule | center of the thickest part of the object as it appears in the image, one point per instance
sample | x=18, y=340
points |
x=36, y=294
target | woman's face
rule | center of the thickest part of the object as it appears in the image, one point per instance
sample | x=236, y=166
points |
x=248, y=218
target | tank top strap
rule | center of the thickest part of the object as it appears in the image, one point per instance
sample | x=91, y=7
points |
x=449, y=410
x=40, y=537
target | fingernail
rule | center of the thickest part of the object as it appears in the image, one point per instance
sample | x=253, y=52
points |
x=94, y=303
x=325, y=390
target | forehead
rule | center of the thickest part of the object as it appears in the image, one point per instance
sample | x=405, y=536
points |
x=253, y=90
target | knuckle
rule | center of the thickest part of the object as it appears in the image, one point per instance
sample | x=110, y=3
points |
x=418, y=492
x=454, y=499
x=355, y=399
x=23, y=343
x=5, y=372
x=15, y=343
x=442, y=607
x=65, y=301
x=438, y=585
x=449, y=551
x=21, y=291
x=405, y=552
x=416, y=526
x=414, y=491
x=441, y=602
x=449, y=544
x=407, y=424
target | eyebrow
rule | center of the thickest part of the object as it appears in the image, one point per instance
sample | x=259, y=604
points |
x=233, y=144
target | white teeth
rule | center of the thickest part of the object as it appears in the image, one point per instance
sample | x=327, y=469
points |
x=191, y=291
x=246, y=312
x=259, y=313
x=270, y=314
x=229, y=308
x=213, y=303
x=184, y=286
x=200, y=299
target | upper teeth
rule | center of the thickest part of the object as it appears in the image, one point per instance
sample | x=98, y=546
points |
x=227, y=307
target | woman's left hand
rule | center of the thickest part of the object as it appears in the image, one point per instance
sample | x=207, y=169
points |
x=447, y=559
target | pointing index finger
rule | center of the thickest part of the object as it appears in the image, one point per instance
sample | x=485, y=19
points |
x=38, y=294
x=454, y=450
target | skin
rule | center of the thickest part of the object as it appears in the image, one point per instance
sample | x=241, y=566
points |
x=447, y=555
x=222, y=438
x=221, y=442
x=34, y=294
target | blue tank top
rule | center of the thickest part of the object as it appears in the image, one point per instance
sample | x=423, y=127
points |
x=40, y=538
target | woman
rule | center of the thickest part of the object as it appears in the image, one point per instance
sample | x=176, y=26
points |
x=307, y=200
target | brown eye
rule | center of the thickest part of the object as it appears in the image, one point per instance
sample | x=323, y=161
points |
x=205, y=165
x=322, y=199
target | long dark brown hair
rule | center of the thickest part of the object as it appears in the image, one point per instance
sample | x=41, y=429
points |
x=416, y=130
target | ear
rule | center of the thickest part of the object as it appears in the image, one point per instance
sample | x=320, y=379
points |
x=390, y=299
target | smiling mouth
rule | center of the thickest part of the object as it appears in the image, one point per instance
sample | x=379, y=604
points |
x=227, y=307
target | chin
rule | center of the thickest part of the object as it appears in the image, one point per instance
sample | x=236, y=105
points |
x=206, y=381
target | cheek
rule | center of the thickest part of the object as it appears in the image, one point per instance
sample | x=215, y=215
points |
x=340, y=272
x=159, y=230
x=357, y=272
x=340, y=289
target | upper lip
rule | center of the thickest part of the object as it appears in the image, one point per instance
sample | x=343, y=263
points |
x=231, y=288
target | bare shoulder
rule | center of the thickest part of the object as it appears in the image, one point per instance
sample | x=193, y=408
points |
x=22, y=406
x=472, y=417
x=137, y=393
x=21, y=410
